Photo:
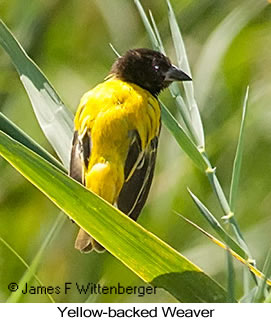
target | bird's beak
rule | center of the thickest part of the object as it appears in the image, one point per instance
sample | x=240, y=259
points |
x=175, y=74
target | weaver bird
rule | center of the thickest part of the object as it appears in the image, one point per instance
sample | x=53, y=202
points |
x=117, y=127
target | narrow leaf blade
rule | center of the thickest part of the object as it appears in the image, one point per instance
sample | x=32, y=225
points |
x=55, y=119
x=182, y=138
x=183, y=63
x=147, y=25
x=157, y=34
x=175, y=90
x=141, y=251
x=238, y=157
x=16, y=133
x=217, y=227
x=252, y=268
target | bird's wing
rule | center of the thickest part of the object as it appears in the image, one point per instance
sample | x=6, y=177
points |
x=80, y=154
x=139, y=168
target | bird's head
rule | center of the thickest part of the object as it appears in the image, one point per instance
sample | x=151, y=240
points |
x=147, y=68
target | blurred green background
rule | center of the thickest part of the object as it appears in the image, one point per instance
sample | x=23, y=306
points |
x=228, y=44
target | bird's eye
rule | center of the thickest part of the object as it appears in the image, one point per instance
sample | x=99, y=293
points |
x=156, y=67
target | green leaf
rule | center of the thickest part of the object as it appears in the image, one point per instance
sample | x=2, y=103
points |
x=182, y=109
x=114, y=50
x=141, y=251
x=217, y=227
x=157, y=44
x=229, y=216
x=148, y=26
x=157, y=34
x=16, y=133
x=32, y=269
x=196, y=126
x=55, y=119
x=252, y=268
x=238, y=157
x=182, y=138
x=173, y=88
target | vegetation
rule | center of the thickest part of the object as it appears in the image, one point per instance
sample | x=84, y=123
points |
x=222, y=66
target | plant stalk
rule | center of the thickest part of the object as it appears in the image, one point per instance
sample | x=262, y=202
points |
x=229, y=215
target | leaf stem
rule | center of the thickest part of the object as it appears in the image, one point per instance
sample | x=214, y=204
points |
x=229, y=215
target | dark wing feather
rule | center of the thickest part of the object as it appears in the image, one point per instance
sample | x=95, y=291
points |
x=136, y=188
x=138, y=171
x=80, y=154
x=76, y=168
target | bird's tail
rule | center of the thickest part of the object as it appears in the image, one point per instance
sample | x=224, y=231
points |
x=85, y=243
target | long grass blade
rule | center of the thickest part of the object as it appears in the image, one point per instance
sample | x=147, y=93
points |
x=252, y=268
x=157, y=34
x=147, y=25
x=188, y=86
x=174, y=88
x=155, y=39
x=16, y=133
x=114, y=50
x=238, y=157
x=217, y=227
x=55, y=119
x=229, y=216
x=227, y=239
x=141, y=251
x=182, y=138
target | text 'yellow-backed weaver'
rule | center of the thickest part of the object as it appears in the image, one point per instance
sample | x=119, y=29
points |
x=117, y=126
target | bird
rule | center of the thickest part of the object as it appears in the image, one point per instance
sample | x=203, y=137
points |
x=116, y=131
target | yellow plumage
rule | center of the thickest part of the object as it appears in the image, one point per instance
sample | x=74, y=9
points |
x=111, y=111
x=117, y=126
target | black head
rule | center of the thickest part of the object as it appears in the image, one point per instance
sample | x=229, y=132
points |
x=147, y=68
